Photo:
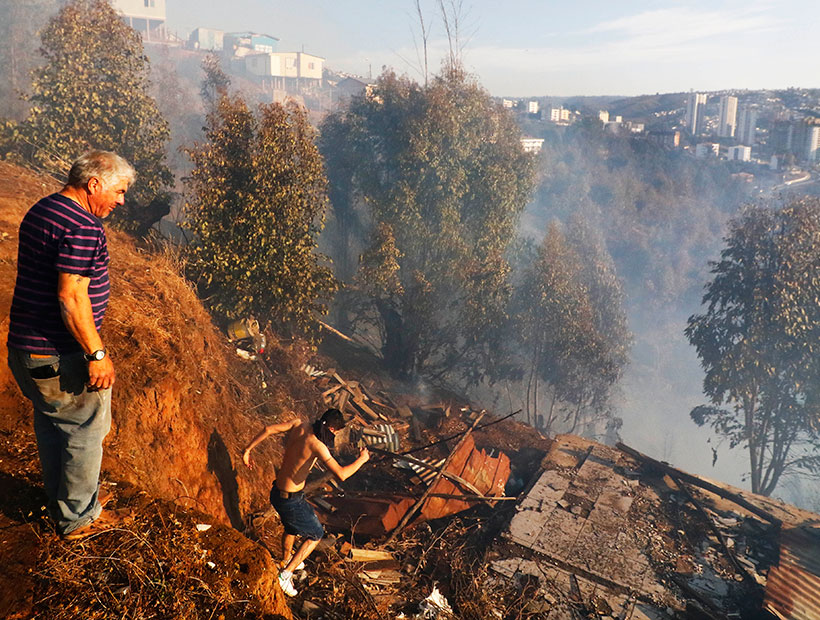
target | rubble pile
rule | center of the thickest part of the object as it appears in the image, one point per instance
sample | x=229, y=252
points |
x=594, y=532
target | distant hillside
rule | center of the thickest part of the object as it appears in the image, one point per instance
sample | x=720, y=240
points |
x=645, y=107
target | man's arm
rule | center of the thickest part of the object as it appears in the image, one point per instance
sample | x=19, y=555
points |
x=271, y=429
x=342, y=473
x=75, y=308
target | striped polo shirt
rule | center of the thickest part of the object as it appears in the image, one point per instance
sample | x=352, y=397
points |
x=56, y=235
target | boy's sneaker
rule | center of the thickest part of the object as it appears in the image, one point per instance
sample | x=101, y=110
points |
x=300, y=567
x=286, y=583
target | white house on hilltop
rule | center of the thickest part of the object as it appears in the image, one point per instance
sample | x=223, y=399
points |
x=145, y=16
x=286, y=69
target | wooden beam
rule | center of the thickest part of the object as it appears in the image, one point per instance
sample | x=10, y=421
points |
x=721, y=539
x=703, y=484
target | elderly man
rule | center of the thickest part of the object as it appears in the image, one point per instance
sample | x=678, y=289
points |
x=304, y=445
x=56, y=353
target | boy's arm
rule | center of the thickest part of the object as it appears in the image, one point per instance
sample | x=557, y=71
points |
x=342, y=473
x=271, y=429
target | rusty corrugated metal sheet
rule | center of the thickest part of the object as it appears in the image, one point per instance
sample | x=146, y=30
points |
x=488, y=474
x=378, y=516
x=793, y=585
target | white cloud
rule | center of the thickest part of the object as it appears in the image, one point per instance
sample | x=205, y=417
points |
x=672, y=48
x=680, y=25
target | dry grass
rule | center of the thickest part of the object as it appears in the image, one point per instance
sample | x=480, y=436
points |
x=156, y=566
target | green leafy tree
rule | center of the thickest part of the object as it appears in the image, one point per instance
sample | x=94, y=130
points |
x=92, y=92
x=759, y=341
x=22, y=20
x=216, y=82
x=256, y=202
x=442, y=166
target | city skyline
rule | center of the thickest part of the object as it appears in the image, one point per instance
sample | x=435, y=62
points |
x=530, y=49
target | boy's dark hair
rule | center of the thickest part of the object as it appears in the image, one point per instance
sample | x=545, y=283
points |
x=331, y=419
x=334, y=419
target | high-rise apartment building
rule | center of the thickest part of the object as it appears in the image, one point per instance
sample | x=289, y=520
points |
x=813, y=144
x=694, y=112
x=728, y=117
x=747, y=125
x=806, y=145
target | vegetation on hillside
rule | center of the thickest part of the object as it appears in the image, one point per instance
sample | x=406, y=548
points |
x=438, y=174
x=658, y=211
x=568, y=338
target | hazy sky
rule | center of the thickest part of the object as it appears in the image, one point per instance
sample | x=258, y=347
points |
x=540, y=47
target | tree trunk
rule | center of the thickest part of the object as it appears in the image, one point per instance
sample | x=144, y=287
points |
x=754, y=461
x=397, y=353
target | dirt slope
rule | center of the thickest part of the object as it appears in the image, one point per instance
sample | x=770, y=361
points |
x=184, y=403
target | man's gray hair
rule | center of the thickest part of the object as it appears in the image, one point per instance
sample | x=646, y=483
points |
x=106, y=166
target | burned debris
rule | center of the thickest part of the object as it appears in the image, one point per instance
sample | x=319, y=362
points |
x=595, y=532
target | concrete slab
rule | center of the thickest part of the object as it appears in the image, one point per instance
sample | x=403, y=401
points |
x=506, y=567
x=559, y=535
x=616, y=498
x=526, y=525
x=594, y=548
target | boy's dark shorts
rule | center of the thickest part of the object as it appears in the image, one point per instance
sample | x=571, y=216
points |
x=298, y=517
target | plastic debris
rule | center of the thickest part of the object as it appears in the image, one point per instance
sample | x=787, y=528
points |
x=434, y=607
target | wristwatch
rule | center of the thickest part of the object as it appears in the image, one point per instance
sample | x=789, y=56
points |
x=94, y=357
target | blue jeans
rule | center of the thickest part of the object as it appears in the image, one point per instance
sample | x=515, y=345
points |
x=297, y=516
x=70, y=423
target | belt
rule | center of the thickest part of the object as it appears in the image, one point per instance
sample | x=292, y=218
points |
x=286, y=494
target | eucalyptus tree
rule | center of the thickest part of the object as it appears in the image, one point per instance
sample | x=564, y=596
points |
x=256, y=204
x=92, y=92
x=440, y=170
x=759, y=341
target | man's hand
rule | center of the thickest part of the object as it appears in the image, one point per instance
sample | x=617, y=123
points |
x=101, y=374
x=364, y=455
x=246, y=458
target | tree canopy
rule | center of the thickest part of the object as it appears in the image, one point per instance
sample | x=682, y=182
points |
x=438, y=173
x=92, y=92
x=256, y=203
x=759, y=341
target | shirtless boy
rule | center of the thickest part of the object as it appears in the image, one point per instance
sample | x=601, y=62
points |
x=304, y=445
